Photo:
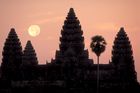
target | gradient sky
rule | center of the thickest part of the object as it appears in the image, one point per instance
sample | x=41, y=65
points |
x=104, y=17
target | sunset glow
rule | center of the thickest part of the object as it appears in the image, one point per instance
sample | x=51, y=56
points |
x=103, y=17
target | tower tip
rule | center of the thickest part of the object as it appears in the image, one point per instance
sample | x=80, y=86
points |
x=29, y=44
x=12, y=30
x=71, y=10
x=28, y=41
x=122, y=28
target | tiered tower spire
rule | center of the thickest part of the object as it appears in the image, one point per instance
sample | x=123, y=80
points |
x=72, y=38
x=29, y=55
x=122, y=56
x=12, y=56
x=72, y=34
x=29, y=63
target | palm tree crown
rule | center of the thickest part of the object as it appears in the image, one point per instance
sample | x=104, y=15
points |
x=98, y=44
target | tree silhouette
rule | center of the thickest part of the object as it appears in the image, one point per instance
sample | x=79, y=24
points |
x=98, y=45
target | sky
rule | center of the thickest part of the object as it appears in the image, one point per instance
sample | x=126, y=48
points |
x=97, y=17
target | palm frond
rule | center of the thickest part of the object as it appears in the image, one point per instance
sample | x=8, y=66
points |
x=98, y=44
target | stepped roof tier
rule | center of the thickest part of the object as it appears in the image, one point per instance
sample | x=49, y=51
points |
x=12, y=56
x=72, y=39
x=29, y=55
x=122, y=55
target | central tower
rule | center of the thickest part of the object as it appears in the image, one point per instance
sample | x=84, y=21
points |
x=72, y=40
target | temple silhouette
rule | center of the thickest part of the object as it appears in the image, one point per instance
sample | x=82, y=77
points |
x=71, y=71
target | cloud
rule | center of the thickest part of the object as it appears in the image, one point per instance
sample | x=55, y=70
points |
x=40, y=14
x=51, y=20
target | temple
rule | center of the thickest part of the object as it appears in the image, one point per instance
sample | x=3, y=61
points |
x=12, y=57
x=71, y=71
x=122, y=57
x=72, y=41
x=29, y=55
x=29, y=63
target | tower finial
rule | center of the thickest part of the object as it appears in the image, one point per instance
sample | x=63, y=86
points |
x=71, y=14
x=71, y=9
x=122, y=29
x=29, y=43
x=12, y=31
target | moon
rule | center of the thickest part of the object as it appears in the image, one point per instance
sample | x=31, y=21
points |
x=34, y=30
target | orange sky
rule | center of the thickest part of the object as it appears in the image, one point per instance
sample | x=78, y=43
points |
x=104, y=17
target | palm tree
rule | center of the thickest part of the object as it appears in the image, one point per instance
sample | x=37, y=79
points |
x=98, y=45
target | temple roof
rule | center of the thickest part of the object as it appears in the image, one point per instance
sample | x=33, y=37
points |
x=29, y=55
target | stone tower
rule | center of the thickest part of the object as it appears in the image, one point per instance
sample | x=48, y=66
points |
x=29, y=55
x=72, y=39
x=122, y=57
x=29, y=63
x=12, y=57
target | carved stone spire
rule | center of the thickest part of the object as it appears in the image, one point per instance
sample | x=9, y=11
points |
x=12, y=56
x=29, y=55
x=122, y=56
x=72, y=36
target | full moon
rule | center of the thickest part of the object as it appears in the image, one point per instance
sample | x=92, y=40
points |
x=34, y=30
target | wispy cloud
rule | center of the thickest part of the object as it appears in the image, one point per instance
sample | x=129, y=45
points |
x=52, y=20
x=41, y=14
